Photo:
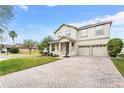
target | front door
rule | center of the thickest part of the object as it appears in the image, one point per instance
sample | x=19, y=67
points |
x=65, y=48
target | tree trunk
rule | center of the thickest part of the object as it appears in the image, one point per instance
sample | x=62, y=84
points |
x=13, y=42
x=29, y=51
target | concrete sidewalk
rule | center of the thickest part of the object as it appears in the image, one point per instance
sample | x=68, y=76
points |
x=3, y=58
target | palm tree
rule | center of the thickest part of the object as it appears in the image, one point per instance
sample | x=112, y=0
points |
x=13, y=35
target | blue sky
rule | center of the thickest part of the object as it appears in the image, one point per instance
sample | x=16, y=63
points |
x=36, y=22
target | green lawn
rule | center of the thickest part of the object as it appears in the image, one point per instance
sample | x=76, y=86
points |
x=21, y=54
x=24, y=53
x=121, y=55
x=17, y=64
x=119, y=63
x=32, y=53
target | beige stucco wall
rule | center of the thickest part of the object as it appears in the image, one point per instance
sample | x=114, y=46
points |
x=65, y=28
x=93, y=42
x=91, y=39
x=91, y=33
x=64, y=40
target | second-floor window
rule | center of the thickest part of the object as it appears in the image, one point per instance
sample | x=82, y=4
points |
x=84, y=33
x=99, y=30
x=59, y=35
x=67, y=33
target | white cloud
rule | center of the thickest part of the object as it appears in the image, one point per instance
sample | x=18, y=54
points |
x=24, y=7
x=117, y=19
x=51, y=5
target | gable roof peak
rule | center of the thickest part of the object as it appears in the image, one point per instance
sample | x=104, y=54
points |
x=66, y=25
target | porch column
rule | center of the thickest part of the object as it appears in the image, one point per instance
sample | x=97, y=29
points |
x=50, y=48
x=59, y=48
x=70, y=46
x=55, y=48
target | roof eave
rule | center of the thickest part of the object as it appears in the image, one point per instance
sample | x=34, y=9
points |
x=96, y=24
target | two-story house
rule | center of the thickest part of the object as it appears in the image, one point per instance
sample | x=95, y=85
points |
x=90, y=40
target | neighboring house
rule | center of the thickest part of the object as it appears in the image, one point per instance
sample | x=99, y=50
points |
x=90, y=40
x=6, y=48
x=20, y=46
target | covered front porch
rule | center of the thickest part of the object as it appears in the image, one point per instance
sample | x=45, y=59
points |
x=62, y=47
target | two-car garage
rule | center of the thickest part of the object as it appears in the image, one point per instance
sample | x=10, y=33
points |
x=93, y=50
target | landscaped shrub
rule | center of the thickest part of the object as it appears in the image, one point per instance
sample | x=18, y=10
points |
x=14, y=50
x=41, y=52
x=114, y=47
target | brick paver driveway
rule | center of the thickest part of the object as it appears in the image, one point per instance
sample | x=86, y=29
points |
x=69, y=72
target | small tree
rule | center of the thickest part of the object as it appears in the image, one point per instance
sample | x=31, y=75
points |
x=29, y=44
x=114, y=47
x=41, y=47
x=13, y=35
x=45, y=44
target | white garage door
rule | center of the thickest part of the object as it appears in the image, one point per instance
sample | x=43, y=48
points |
x=84, y=50
x=99, y=50
x=95, y=50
